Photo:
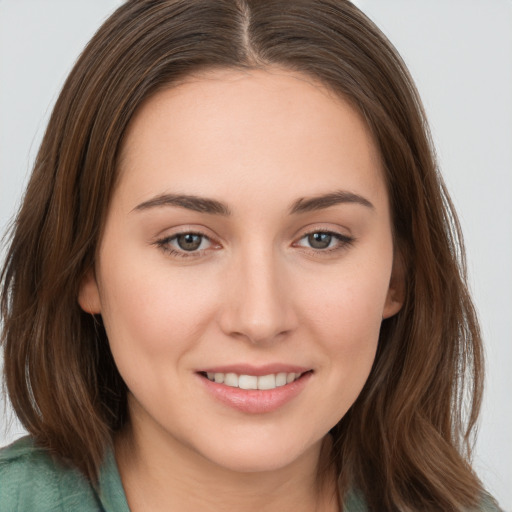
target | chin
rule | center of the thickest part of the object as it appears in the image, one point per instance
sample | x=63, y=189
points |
x=252, y=463
x=251, y=456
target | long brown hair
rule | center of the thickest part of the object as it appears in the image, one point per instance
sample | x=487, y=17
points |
x=405, y=443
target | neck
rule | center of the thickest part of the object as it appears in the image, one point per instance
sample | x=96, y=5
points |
x=166, y=475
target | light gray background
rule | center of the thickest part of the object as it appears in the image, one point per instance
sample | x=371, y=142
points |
x=460, y=54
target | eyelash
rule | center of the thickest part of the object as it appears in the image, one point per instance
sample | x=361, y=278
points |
x=343, y=242
x=164, y=244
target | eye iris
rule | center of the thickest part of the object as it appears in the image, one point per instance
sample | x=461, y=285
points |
x=319, y=240
x=189, y=241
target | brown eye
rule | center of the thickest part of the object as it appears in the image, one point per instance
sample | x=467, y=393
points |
x=319, y=240
x=189, y=241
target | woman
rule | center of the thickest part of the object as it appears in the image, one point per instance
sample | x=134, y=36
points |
x=233, y=283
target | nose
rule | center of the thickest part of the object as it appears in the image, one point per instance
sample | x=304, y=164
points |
x=258, y=305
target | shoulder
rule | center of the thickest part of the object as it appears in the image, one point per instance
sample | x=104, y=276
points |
x=488, y=504
x=31, y=479
x=355, y=502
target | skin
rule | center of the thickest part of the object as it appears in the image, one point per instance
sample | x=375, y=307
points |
x=255, y=292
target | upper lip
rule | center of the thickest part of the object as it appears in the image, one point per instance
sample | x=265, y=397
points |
x=249, y=369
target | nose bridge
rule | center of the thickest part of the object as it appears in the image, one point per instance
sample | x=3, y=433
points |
x=259, y=306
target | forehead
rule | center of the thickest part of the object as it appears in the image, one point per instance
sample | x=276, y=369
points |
x=224, y=129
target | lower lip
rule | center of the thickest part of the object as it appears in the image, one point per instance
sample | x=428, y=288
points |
x=256, y=401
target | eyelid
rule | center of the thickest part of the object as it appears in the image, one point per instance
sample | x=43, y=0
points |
x=163, y=241
x=335, y=229
x=344, y=240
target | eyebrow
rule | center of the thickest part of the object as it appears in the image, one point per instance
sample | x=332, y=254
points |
x=327, y=200
x=214, y=207
x=195, y=203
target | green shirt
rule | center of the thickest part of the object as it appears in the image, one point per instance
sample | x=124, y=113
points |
x=31, y=480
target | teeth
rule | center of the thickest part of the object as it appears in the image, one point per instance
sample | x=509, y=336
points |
x=271, y=381
x=281, y=378
x=267, y=382
x=231, y=379
x=248, y=382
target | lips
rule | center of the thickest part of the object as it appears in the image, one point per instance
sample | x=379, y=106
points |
x=255, y=390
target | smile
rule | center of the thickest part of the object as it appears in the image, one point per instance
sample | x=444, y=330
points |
x=240, y=389
x=261, y=382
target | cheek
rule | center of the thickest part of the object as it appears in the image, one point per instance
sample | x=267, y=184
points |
x=344, y=313
x=351, y=332
x=348, y=306
x=152, y=315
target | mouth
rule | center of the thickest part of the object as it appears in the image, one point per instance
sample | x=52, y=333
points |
x=255, y=390
x=259, y=382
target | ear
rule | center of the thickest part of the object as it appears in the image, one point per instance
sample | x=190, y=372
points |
x=88, y=294
x=396, y=291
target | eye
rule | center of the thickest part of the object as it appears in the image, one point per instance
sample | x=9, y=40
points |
x=319, y=240
x=190, y=241
x=324, y=241
x=185, y=244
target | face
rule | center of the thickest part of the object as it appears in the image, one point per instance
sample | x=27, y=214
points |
x=248, y=244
